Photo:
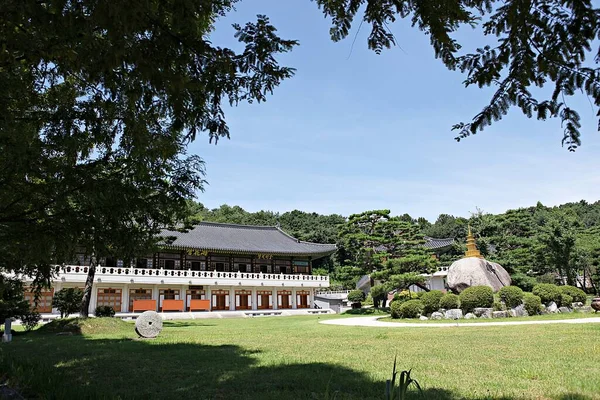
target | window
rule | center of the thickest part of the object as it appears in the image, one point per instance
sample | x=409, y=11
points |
x=109, y=297
x=265, y=269
x=220, y=266
x=169, y=264
x=141, y=263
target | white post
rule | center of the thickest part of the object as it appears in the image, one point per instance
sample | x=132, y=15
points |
x=94, y=299
x=155, y=296
x=209, y=297
x=125, y=298
x=294, y=304
x=311, y=299
x=183, y=296
x=7, y=336
x=232, y=298
x=275, y=299
x=254, y=299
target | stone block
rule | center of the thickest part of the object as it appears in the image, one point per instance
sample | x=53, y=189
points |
x=470, y=316
x=454, y=313
x=552, y=307
x=520, y=311
x=423, y=318
x=437, y=315
x=481, y=312
x=564, y=310
x=499, y=314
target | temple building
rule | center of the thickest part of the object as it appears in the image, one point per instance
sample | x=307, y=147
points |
x=208, y=268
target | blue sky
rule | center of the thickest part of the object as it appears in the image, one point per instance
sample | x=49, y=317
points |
x=354, y=131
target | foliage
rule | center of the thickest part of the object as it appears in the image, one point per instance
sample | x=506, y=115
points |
x=98, y=111
x=476, y=296
x=30, y=320
x=388, y=248
x=356, y=296
x=512, y=296
x=411, y=309
x=547, y=278
x=547, y=48
x=379, y=294
x=67, y=301
x=395, y=309
x=499, y=306
x=565, y=300
x=12, y=302
x=104, y=311
x=547, y=292
x=404, y=295
x=577, y=294
x=449, y=301
x=404, y=383
x=558, y=240
x=431, y=301
x=523, y=281
x=532, y=303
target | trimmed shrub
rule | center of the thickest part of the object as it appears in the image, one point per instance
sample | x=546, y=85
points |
x=411, y=309
x=548, y=293
x=476, y=296
x=449, y=301
x=67, y=301
x=379, y=294
x=512, y=296
x=104, y=311
x=577, y=294
x=565, y=300
x=405, y=295
x=547, y=278
x=431, y=301
x=395, y=309
x=532, y=303
x=356, y=296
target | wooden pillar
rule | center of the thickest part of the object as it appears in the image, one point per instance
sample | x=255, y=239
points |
x=253, y=264
x=310, y=265
x=230, y=263
x=208, y=262
x=182, y=259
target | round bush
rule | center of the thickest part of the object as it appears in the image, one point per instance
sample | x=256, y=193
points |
x=104, y=311
x=356, y=296
x=431, y=301
x=404, y=295
x=499, y=306
x=565, y=300
x=523, y=281
x=532, y=303
x=577, y=294
x=476, y=296
x=449, y=301
x=395, y=308
x=512, y=296
x=548, y=293
x=410, y=309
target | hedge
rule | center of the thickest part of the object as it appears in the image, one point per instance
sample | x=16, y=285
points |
x=410, y=309
x=532, y=303
x=431, y=301
x=512, y=296
x=577, y=294
x=476, y=296
x=548, y=293
x=449, y=301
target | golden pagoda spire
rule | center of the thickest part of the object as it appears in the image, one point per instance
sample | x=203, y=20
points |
x=471, y=246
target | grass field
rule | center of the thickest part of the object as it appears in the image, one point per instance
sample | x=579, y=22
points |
x=298, y=358
x=549, y=317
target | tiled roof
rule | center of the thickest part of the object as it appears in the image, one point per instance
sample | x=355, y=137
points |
x=214, y=236
x=434, y=243
x=430, y=243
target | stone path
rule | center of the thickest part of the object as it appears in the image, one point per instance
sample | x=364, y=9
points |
x=373, y=322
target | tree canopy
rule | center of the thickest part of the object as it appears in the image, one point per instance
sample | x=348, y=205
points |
x=535, y=53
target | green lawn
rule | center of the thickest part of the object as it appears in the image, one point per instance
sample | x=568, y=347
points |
x=297, y=358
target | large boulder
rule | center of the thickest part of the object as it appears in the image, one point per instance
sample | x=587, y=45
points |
x=552, y=308
x=520, y=311
x=474, y=271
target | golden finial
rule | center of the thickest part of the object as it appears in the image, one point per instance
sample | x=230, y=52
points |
x=471, y=246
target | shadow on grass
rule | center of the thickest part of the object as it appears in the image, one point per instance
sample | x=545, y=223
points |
x=68, y=367
x=183, y=324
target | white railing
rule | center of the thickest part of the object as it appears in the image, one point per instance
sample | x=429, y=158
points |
x=125, y=274
x=333, y=291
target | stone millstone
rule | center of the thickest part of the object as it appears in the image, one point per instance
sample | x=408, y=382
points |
x=475, y=271
x=149, y=324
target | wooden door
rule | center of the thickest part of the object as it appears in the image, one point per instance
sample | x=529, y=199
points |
x=284, y=299
x=109, y=297
x=44, y=302
x=138, y=294
x=243, y=300
x=220, y=299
